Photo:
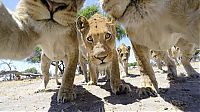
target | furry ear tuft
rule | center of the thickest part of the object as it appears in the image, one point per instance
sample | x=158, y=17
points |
x=82, y=23
x=119, y=50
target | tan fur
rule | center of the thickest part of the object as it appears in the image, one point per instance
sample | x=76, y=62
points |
x=98, y=35
x=56, y=73
x=49, y=25
x=123, y=55
x=156, y=24
x=185, y=51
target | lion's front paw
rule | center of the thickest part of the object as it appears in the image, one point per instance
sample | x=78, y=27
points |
x=65, y=95
x=172, y=73
x=92, y=83
x=146, y=92
x=121, y=89
x=42, y=88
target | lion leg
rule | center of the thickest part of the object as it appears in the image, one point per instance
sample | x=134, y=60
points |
x=83, y=65
x=108, y=74
x=172, y=72
x=115, y=82
x=66, y=92
x=159, y=64
x=93, y=74
x=148, y=81
x=186, y=51
x=45, y=65
x=56, y=73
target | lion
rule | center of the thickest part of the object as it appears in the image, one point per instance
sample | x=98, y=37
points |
x=98, y=35
x=156, y=25
x=175, y=54
x=168, y=57
x=56, y=73
x=83, y=59
x=49, y=24
x=123, y=55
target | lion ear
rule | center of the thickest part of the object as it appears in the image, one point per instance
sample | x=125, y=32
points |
x=82, y=24
x=119, y=50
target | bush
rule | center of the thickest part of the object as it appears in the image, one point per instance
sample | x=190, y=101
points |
x=132, y=64
x=31, y=70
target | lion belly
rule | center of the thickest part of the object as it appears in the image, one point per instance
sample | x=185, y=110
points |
x=156, y=41
x=54, y=47
x=156, y=35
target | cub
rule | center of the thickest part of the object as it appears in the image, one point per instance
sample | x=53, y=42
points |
x=98, y=35
x=123, y=55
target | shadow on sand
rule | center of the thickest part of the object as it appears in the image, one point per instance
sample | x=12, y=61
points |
x=85, y=101
x=184, y=93
x=123, y=99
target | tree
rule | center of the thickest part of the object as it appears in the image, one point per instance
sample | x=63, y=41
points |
x=132, y=64
x=10, y=66
x=31, y=70
x=36, y=56
x=89, y=11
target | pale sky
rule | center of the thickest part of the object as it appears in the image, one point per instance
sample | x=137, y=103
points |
x=22, y=65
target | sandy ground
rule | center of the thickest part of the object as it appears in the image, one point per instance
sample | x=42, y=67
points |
x=180, y=95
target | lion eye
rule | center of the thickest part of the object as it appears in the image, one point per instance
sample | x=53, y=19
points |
x=90, y=39
x=107, y=36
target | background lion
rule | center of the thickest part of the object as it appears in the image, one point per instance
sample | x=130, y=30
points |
x=123, y=55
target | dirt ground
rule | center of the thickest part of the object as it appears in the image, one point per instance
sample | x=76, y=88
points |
x=182, y=94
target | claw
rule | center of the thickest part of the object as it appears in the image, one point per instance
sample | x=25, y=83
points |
x=123, y=89
x=65, y=95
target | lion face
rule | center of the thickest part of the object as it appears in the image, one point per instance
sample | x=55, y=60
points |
x=123, y=53
x=115, y=8
x=98, y=35
x=62, y=12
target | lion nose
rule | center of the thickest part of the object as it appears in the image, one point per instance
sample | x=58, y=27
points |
x=101, y=58
x=53, y=6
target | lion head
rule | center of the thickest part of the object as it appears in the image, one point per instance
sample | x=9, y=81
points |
x=98, y=35
x=61, y=12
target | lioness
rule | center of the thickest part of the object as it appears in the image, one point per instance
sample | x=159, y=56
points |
x=123, y=55
x=49, y=24
x=150, y=25
x=98, y=35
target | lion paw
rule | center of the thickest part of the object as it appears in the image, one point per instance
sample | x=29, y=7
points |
x=146, y=92
x=40, y=89
x=172, y=73
x=121, y=89
x=65, y=95
x=92, y=83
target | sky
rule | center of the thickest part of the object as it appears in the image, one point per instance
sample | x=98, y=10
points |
x=22, y=65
